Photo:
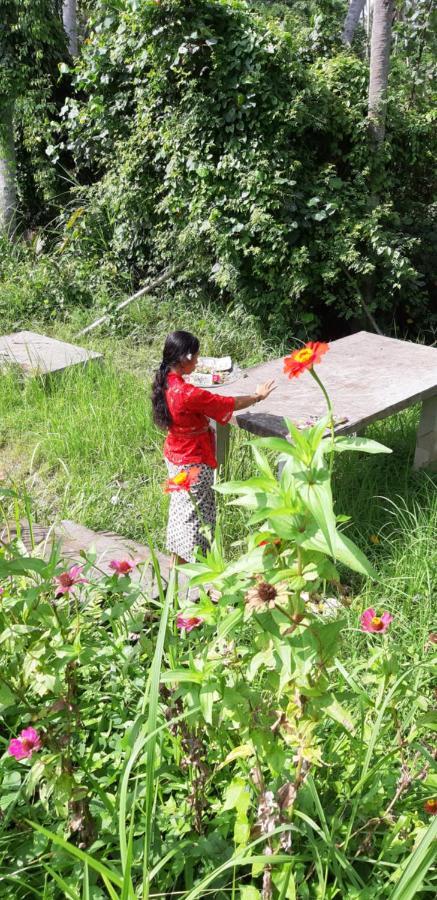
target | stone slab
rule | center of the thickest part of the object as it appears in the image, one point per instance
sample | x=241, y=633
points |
x=37, y=354
x=368, y=377
x=73, y=538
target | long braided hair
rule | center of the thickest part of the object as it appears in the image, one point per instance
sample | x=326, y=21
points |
x=178, y=345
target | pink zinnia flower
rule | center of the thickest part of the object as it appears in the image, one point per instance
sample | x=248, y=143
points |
x=372, y=623
x=67, y=580
x=188, y=622
x=123, y=566
x=22, y=747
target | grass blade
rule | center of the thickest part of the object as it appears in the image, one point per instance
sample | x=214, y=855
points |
x=68, y=890
x=95, y=864
x=417, y=866
x=155, y=677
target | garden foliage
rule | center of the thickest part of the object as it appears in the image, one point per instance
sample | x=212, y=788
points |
x=153, y=745
x=230, y=139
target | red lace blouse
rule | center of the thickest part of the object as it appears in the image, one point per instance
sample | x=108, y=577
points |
x=190, y=438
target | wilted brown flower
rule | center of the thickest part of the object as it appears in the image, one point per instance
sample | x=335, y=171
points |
x=268, y=813
x=265, y=595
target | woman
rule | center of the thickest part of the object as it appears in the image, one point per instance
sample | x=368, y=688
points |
x=183, y=411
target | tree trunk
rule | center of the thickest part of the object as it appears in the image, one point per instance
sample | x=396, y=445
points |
x=379, y=66
x=351, y=21
x=8, y=195
x=69, y=18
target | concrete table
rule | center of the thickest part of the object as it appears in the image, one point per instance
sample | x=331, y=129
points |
x=368, y=377
x=37, y=354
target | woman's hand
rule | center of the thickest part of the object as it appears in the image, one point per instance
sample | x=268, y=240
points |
x=263, y=390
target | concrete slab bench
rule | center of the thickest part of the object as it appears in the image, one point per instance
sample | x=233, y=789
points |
x=36, y=354
x=368, y=377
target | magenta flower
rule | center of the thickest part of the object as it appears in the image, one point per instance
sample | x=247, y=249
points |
x=372, y=623
x=123, y=566
x=22, y=747
x=68, y=580
x=188, y=622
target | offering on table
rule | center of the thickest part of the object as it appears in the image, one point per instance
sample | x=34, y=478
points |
x=212, y=370
x=314, y=420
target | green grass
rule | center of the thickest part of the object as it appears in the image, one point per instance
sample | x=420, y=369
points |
x=83, y=444
x=84, y=447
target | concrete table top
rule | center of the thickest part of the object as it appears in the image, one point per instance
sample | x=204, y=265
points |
x=367, y=377
x=37, y=354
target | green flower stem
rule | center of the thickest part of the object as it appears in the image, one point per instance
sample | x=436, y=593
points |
x=331, y=415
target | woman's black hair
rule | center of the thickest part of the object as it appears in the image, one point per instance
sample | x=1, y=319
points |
x=177, y=346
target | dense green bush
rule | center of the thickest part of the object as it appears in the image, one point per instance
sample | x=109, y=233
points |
x=233, y=143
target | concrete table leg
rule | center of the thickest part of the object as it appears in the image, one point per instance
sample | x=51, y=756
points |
x=222, y=433
x=426, y=442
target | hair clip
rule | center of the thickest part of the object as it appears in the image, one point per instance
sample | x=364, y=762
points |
x=188, y=356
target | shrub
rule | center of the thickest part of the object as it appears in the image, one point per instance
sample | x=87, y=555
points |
x=231, y=143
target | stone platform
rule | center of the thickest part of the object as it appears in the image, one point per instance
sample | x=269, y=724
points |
x=73, y=538
x=36, y=354
x=368, y=377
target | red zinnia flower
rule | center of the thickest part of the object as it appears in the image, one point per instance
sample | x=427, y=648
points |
x=183, y=481
x=22, y=747
x=187, y=623
x=123, y=566
x=430, y=806
x=372, y=623
x=67, y=580
x=305, y=358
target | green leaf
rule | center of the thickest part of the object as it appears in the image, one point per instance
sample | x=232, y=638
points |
x=7, y=698
x=263, y=463
x=276, y=443
x=338, y=713
x=248, y=892
x=241, y=752
x=237, y=796
x=343, y=442
x=345, y=551
x=207, y=696
x=317, y=496
x=182, y=675
x=22, y=565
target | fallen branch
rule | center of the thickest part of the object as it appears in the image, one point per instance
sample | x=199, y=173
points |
x=145, y=290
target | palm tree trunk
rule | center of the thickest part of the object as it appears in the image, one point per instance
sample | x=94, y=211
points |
x=351, y=21
x=69, y=18
x=8, y=195
x=379, y=67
